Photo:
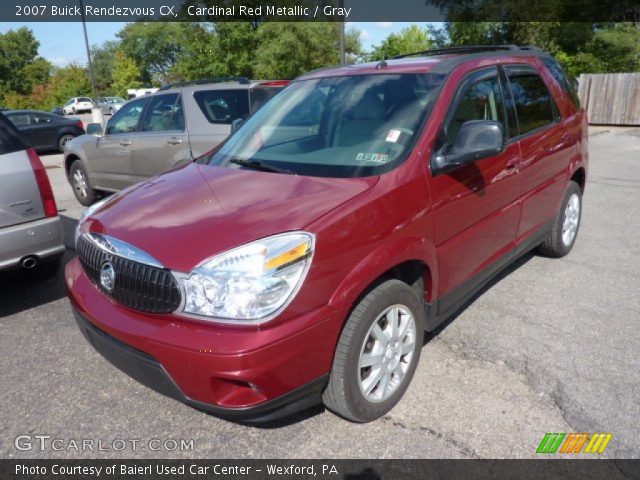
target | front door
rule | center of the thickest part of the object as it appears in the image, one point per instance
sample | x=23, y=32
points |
x=110, y=157
x=476, y=207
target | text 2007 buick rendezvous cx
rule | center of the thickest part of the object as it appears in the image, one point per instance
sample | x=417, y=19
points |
x=302, y=259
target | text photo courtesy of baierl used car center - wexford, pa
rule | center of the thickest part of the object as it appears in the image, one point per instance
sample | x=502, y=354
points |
x=337, y=239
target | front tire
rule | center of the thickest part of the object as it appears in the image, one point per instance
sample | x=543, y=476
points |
x=377, y=353
x=79, y=180
x=559, y=241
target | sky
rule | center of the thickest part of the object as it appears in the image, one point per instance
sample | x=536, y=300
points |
x=62, y=43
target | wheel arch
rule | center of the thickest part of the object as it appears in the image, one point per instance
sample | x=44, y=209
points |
x=68, y=161
x=580, y=177
x=415, y=267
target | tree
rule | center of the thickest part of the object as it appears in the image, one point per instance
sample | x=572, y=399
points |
x=18, y=48
x=408, y=40
x=286, y=50
x=125, y=74
x=199, y=59
x=155, y=47
x=103, y=60
x=68, y=82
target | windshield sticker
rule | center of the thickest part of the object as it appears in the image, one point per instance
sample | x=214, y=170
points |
x=372, y=157
x=393, y=135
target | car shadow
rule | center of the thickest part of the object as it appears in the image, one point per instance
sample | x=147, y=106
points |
x=505, y=272
x=23, y=290
x=428, y=336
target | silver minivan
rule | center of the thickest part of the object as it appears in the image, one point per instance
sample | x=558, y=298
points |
x=30, y=229
x=155, y=133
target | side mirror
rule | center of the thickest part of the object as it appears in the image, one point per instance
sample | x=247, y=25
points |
x=236, y=124
x=475, y=139
x=94, y=129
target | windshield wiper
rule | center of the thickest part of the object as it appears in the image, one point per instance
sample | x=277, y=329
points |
x=260, y=165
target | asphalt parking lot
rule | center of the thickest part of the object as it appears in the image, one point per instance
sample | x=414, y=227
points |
x=549, y=346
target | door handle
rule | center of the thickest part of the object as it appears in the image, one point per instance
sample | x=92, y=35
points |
x=174, y=141
x=125, y=143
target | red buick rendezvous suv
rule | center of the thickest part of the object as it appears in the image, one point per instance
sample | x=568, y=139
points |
x=301, y=260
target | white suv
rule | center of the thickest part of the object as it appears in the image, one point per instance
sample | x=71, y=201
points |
x=77, y=105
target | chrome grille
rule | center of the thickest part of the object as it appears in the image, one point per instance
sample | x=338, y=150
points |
x=137, y=285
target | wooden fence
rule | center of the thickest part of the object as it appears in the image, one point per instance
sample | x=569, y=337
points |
x=611, y=98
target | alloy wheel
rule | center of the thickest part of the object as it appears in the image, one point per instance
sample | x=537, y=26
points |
x=387, y=353
x=571, y=220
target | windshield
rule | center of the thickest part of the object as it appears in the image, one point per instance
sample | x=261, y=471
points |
x=351, y=126
x=115, y=100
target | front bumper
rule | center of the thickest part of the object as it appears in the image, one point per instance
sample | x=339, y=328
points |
x=254, y=374
x=40, y=238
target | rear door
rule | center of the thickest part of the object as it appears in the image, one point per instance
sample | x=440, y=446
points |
x=545, y=147
x=210, y=113
x=20, y=199
x=161, y=142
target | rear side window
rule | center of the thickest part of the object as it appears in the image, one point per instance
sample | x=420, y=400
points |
x=223, y=106
x=10, y=140
x=164, y=113
x=534, y=106
x=569, y=85
x=41, y=118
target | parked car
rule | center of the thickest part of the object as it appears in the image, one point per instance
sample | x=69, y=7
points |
x=77, y=105
x=30, y=229
x=45, y=131
x=160, y=131
x=58, y=111
x=303, y=259
x=110, y=105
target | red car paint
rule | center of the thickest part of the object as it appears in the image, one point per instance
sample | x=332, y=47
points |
x=455, y=225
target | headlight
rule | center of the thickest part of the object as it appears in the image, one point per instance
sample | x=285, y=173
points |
x=86, y=214
x=250, y=283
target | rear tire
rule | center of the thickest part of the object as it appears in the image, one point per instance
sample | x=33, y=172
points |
x=560, y=240
x=63, y=140
x=375, y=362
x=79, y=180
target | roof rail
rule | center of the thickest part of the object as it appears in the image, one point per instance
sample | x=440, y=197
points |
x=204, y=81
x=465, y=49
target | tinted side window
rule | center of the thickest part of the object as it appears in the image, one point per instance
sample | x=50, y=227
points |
x=41, y=118
x=10, y=141
x=482, y=100
x=126, y=119
x=223, y=106
x=19, y=119
x=164, y=113
x=258, y=96
x=568, y=84
x=533, y=101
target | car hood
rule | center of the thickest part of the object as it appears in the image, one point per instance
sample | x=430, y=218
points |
x=187, y=215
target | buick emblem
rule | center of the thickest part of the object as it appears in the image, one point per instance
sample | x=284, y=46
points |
x=107, y=276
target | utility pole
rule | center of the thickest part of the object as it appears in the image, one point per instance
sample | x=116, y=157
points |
x=86, y=44
x=342, y=59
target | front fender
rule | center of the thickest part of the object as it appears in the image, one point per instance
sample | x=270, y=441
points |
x=381, y=260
